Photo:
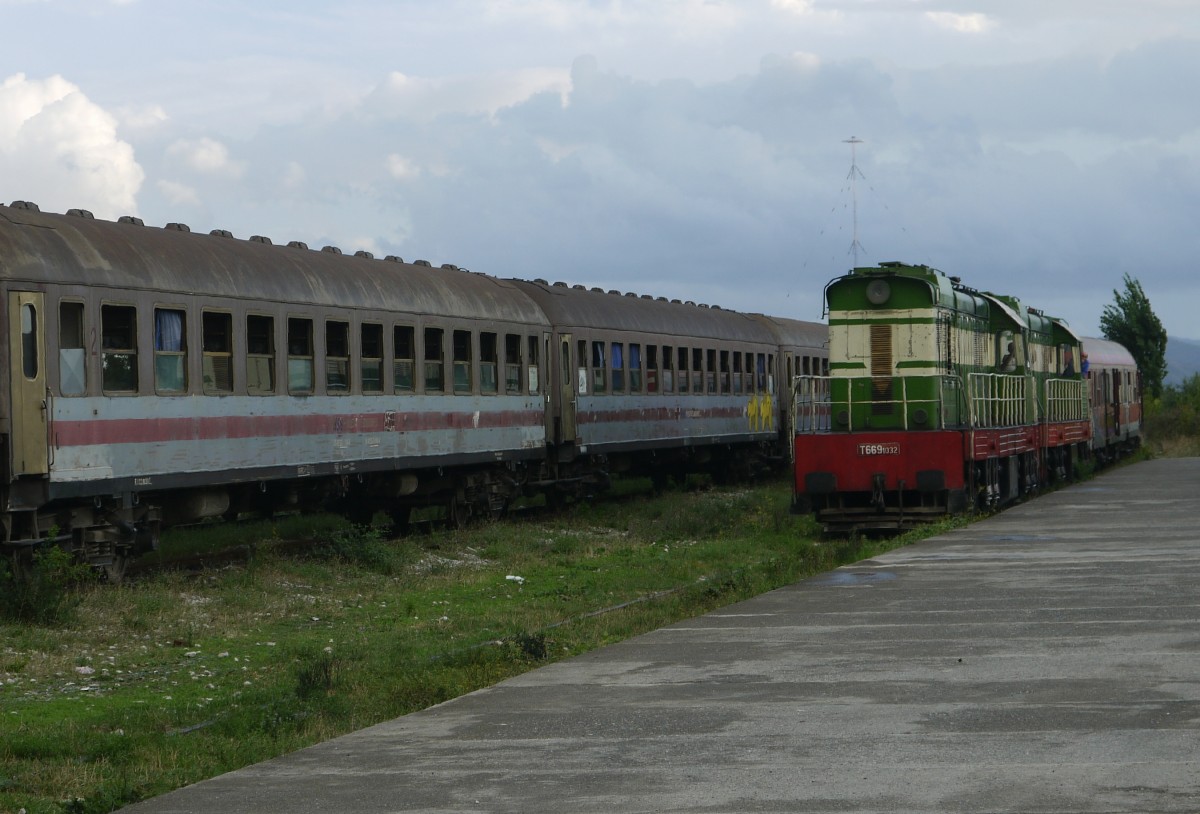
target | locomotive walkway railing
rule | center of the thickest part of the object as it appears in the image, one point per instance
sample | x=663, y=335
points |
x=813, y=405
x=1066, y=400
x=997, y=400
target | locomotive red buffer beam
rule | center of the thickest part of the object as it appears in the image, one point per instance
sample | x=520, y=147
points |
x=882, y=480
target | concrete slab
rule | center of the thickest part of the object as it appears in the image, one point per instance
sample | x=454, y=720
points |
x=1043, y=660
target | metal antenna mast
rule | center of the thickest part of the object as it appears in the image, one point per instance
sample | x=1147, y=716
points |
x=855, y=174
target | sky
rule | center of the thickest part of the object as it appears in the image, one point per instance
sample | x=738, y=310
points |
x=693, y=149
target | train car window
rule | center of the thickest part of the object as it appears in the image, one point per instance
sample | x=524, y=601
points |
x=726, y=375
x=260, y=355
x=118, y=330
x=29, y=344
x=697, y=370
x=682, y=368
x=652, y=368
x=635, y=368
x=512, y=363
x=599, y=369
x=337, y=357
x=749, y=368
x=301, y=377
x=218, y=352
x=462, y=362
x=404, y=363
x=488, y=363
x=370, y=363
x=72, y=371
x=581, y=384
x=170, y=351
x=761, y=378
x=532, y=366
x=618, y=367
x=825, y=367
x=737, y=372
x=435, y=360
x=771, y=373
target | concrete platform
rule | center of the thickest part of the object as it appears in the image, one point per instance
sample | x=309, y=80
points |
x=1044, y=660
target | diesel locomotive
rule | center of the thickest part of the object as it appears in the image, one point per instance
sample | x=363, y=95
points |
x=941, y=398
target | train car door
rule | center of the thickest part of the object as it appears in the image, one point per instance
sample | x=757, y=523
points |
x=567, y=399
x=27, y=344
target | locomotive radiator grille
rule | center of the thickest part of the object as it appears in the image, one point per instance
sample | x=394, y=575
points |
x=881, y=369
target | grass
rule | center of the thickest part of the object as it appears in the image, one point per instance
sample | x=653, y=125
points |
x=177, y=676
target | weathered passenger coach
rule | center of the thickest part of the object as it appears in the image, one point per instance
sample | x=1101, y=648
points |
x=154, y=376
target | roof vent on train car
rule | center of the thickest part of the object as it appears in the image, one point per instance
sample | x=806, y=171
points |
x=331, y=249
x=689, y=302
x=450, y=266
x=662, y=299
x=221, y=233
x=677, y=302
x=423, y=263
x=297, y=244
x=260, y=239
x=136, y=221
x=81, y=213
x=703, y=305
x=560, y=284
x=540, y=281
x=366, y=254
x=630, y=294
x=30, y=205
x=394, y=258
x=178, y=227
x=578, y=287
x=647, y=296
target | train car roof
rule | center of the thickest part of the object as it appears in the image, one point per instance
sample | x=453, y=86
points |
x=77, y=249
x=580, y=307
x=1106, y=353
x=798, y=333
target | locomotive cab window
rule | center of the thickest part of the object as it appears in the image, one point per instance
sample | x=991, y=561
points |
x=337, y=357
x=260, y=355
x=404, y=351
x=218, y=352
x=435, y=360
x=72, y=372
x=371, y=357
x=170, y=351
x=118, y=330
x=300, y=356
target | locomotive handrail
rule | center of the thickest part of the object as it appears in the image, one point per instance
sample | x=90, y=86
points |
x=997, y=399
x=1066, y=400
x=813, y=406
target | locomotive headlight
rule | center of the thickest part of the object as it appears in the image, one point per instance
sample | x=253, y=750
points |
x=878, y=292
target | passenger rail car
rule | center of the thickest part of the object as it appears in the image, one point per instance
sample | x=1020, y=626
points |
x=939, y=398
x=157, y=376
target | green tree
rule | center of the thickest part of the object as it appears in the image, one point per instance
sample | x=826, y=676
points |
x=1131, y=321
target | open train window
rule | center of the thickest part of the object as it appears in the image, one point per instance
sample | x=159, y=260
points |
x=337, y=357
x=72, y=370
x=260, y=355
x=118, y=361
x=404, y=353
x=711, y=371
x=599, y=369
x=635, y=368
x=488, y=363
x=371, y=357
x=668, y=369
x=462, y=362
x=652, y=368
x=170, y=351
x=300, y=356
x=761, y=384
x=435, y=360
x=618, y=367
x=512, y=363
x=684, y=376
x=737, y=372
x=531, y=362
x=697, y=370
x=218, y=352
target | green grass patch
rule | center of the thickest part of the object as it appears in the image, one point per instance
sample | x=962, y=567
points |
x=176, y=676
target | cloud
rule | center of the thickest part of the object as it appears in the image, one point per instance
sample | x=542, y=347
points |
x=961, y=23
x=206, y=156
x=55, y=141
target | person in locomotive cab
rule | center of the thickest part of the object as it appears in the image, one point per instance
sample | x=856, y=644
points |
x=1068, y=363
x=1083, y=364
x=1009, y=363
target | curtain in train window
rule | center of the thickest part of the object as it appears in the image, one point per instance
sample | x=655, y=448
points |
x=635, y=368
x=170, y=358
x=618, y=367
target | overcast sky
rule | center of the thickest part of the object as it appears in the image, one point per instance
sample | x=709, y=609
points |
x=682, y=148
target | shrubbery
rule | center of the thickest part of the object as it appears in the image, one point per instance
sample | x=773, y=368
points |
x=43, y=593
x=1175, y=416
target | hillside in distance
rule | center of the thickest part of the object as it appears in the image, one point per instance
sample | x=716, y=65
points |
x=1183, y=359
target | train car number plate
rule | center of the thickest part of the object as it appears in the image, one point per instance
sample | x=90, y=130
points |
x=878, y=449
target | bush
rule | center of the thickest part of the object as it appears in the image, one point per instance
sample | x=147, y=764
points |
x=45, y=592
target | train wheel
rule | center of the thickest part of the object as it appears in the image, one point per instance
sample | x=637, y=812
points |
x=457, y=513
x=114, y=572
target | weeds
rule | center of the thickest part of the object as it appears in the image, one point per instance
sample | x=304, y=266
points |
x=46, y=592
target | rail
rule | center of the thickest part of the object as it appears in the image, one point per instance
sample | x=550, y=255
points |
x=1066, y=400
x=997, y=399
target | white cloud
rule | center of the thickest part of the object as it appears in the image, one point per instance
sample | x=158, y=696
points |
x=961, y=23
x=61, y=150
x=401, y=168
x=207, y=156
x=178, y=193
